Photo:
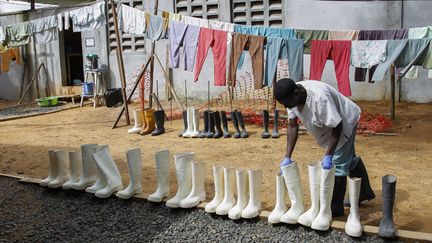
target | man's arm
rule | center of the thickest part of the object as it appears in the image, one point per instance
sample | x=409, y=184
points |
x=293, y=128
x=336, y=132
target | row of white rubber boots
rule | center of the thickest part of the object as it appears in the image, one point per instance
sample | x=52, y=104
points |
x=94, y=171
x=248, y=203
x=319, y=216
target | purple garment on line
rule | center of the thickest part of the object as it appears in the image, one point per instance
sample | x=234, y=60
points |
x=181, y=34
x=360, y=73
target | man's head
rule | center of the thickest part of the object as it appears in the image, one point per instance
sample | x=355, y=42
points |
x=288, y=93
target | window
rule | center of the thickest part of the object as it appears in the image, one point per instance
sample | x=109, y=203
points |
x=257, y=12
x=130, y=43
x=206, y=9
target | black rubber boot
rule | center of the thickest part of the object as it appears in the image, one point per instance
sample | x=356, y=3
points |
x=266, y=119
x=226, y=133
x=217, y=121
x=243, y=133
x=235, y=124
x=211, y=124
x=275, y=132
x=204, y=132
x=184, y=123
x=337, y=204
x=366, y=192
x=387, y=227
x=159, y=117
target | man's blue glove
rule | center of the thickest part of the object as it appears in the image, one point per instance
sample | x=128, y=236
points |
x=326, y=163
x=286, y=161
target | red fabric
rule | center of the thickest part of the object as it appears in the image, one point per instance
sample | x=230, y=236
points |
x=216, y=39
x=339, y=52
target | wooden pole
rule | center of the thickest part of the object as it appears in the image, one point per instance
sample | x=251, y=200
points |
x=152, y=53
x=120, y=63
x=170, y=86
x=31, y=82
x=392, y=92
x=137, y=81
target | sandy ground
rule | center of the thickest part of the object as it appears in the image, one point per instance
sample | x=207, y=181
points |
x=24, y=144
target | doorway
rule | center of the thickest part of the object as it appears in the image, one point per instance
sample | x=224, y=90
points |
x=74, y=57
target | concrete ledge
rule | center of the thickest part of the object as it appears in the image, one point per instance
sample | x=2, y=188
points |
x=38, y=114
x=336, y=225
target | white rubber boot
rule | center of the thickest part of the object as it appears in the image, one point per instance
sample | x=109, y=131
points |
x=183, y=164
x=75, y=165
x=62, y=158
x=138, y=122
x=219, y=190
x=280, y=206
x=229, y=200
x=242, y=195
x=353, y=226
x=291, y=176
x=162, y=170
x=190, y=129
x=88, y=176
x=324, y=217
x=314, y=187
x=254, y=206
x=53, y=168
x=108, y=167
x=197, y=194
x=133, y=157
x=196, y=119
x=101, y=180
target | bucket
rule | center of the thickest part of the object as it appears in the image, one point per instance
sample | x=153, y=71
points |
x=87, y=88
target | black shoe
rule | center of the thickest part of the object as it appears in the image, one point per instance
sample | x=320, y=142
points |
x=339, y=188
x=235, y=124
x=217, y=121
x=159, y=117
x=211, y=130
x=366, y=192
x=266, y=119
x=204, y=132
x=185, y=123
x=387, y=227
x=226, y=133
x=243, y=133
x=275, y=132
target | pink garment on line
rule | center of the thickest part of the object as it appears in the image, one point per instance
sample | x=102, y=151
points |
x=216, y=39
x=339, y=52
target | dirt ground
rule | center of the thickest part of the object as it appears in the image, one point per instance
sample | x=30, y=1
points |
x=24, y=144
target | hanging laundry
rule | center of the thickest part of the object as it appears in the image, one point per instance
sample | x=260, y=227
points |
x=216, y=39
x=175, y=17
x=291, y=49
x=262, y=31
x=360, y=74
x=420, y=33
x=2, y=34
x=182, y=34
x=18, y=34
x=165, y=16
x=339, y=52
x=66, y=20
x=255, y=46
x=309, y=35
x=131, y=20
x=10, y=54
x=155, y=27
x=203, y=23
x=366, y=54
x=393, y=50
x=343, y=34
x=265, y=31
x=60, y=21
x=45, y=29
x=88, y=18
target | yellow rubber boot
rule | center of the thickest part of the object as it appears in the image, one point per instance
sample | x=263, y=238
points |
x=150, y=121
x=144, y=123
